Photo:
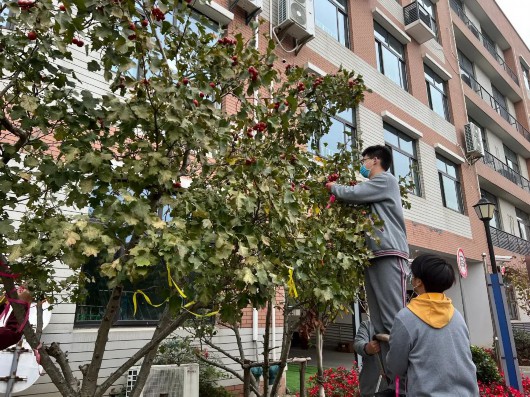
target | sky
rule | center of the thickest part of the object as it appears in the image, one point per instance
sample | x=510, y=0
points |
x=518, y=12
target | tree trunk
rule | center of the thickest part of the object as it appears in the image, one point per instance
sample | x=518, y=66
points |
x=266, y=340
x=320, y=366
x=150, y=356
x=91, y=374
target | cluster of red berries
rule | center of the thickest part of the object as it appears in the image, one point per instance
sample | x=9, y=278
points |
x=352, y=83
x=227, y=41
x=260, y=127
x=234, y=60
x=25, y=4
x=300, y=87
x=317, y=82
x=250, y=161
x=333, y=177
x=253, y=73
x=78, y=42
x=158, y=14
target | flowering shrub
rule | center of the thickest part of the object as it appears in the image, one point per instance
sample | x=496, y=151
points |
x=499, y=389
x=338, y=382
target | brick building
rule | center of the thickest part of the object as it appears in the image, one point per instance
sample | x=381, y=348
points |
x=437, y=69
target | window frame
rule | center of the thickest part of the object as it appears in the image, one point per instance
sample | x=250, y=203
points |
x=456, y=181
x=429, y=7
x=382, y=41
x=465, y=74
x=413, y=157
x=352, y=124
x=340, y=9
x=526, y=75
x=523, y=224
x=430, y=82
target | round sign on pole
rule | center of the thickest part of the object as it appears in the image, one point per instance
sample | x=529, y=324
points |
x=461, y=261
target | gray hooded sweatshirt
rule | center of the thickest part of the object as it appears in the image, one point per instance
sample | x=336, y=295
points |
x=370, y=372
x=429, y=342
x=383, y=195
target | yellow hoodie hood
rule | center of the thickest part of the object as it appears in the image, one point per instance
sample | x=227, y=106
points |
x=434, y=309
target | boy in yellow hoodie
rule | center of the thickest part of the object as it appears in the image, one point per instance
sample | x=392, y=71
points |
x=429, y=341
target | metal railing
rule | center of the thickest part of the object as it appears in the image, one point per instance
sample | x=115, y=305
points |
x=496, y=105
x=415, y=11
x=86, y=314
x=509, y=242
x=485, y=41
x=503, y=169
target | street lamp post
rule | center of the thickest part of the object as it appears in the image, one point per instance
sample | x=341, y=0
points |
x=508, y=357
x=485, y=211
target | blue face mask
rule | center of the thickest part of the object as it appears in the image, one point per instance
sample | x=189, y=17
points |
x=365, y=171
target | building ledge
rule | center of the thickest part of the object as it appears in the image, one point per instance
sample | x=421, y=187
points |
x=434, y=65
x=439, y=148
x=214, y=11
x=404, y=127
x=386, y=22
x=310, y=67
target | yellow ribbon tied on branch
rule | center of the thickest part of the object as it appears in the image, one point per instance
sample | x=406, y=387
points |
x=292, y=286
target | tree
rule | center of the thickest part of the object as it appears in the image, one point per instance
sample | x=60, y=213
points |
x=102, y=178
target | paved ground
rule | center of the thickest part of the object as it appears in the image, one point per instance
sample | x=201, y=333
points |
x=332, y=358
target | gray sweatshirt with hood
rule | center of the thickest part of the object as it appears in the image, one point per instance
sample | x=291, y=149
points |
x=383, y=195
x=429, y=342
x=370, y=372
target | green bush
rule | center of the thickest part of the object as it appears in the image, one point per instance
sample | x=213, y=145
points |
x=487, y=371
x=522, y=345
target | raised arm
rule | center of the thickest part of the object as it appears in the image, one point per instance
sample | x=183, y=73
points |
x=370, y=191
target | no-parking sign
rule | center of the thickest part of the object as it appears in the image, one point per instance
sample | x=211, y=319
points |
x=461, y=261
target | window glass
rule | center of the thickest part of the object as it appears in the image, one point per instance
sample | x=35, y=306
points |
x=390, y=56
x=331, y=17
x=449, y=184
x=436, y=93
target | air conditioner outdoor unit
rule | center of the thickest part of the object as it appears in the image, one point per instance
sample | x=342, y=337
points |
x=296, y=18
x=474, y=147
x=167, y=381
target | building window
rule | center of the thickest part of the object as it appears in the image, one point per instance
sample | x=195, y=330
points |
x=489, y=44
x=496, y=221
x=91, y=310
x=467, y=71
x=404, y=158
x=390, y=55
x=436, y=93
x=523, y=224
x=427, y=15
x=342, y=131
x=511, y=159
x=526, y=76
x=449, y=184
x=500, y=103
x=332, y=17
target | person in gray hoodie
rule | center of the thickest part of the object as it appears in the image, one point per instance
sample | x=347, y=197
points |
x=429, y=340
x=370, y=378
x=385, y=280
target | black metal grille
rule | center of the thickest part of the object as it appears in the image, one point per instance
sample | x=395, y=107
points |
x=509, y=242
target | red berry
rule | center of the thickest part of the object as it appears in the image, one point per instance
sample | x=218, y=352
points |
x=196, y=102
x=212, y=84
x=132, y=37
x=145, y=22
x=177, y=185
x=185, y=81
x=189, y=1
x=201, y=94
x=80, y=43
x=75, y=41
x=132, y=26
x=62, y=7
x=32, y=35
x=145, y=81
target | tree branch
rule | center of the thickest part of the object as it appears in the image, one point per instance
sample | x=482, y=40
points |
x=55, y=351
x=155, y=340
x=90, y=379
x=222, y=351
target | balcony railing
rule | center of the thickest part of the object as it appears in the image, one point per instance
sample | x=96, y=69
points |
x=495, y=104
x=509, y=242
x=503, y=169
x=485, y=41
